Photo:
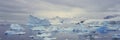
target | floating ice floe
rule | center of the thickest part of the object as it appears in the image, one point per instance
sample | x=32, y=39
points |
x=38, y=28
x=44, y=35
x=46, y=38
x=15, y=29
x=14, y=33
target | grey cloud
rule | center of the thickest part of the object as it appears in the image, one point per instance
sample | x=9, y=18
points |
x=16, y=6
x=17, y=10
x=10, y=7
x=90, y=5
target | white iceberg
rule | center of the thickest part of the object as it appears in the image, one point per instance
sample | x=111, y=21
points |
x=56, y=20
x=38, y=28
x=16, y=27
x=14, y=33
x=34, y=21
x=46, y=38
x=44, y=35
x=99, y=22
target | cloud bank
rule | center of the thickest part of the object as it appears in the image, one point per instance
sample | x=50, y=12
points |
x=18, y=10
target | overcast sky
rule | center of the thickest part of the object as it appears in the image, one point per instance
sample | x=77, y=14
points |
x=18, y=10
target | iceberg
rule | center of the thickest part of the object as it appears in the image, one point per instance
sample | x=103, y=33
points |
x=44, y=35
x=67, y=29
x=89, y=27
x=56, y=20
x=38, y=28
x=46, y=38
x=95, y=22
x=34, y=21
x=113, y=22
x=14, y=33
x=15, y=29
